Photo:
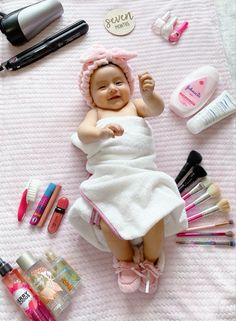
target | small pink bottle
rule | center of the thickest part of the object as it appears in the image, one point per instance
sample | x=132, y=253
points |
x=22, y=294
x=176, y=34
x=194, y=91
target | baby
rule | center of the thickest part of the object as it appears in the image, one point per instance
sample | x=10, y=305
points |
x=125, y=201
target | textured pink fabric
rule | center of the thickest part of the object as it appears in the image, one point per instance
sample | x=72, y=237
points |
x=100, y=56
x=41, y=106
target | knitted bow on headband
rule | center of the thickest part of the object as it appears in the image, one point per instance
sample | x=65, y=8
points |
x=99, y=52
x=99, y=56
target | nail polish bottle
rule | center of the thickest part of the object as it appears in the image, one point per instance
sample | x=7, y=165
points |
x=23, y=295
x=177, y=32
x=159, y=23
x=38, y=274
x=63, y=272
x=168, y=27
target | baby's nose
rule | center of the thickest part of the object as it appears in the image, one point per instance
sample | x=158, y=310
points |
x=112, y=88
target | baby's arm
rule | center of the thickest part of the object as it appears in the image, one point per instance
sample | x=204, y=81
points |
x=151, y=104
x=89, y=133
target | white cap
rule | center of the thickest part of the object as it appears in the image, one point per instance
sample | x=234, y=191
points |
x=158, y=24
x=195, y=125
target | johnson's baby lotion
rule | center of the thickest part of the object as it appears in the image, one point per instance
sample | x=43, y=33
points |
x=194, y=91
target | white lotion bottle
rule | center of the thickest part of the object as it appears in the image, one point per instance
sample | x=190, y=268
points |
x=223, y=106
x=194, y=91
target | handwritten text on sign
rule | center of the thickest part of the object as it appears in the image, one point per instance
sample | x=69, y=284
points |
x=119, y=22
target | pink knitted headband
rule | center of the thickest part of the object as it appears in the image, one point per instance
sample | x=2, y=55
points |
x=100, y=56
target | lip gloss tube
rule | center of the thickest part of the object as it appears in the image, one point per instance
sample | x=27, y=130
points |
x=49, y=206
x=57, y=215
x=35, y=218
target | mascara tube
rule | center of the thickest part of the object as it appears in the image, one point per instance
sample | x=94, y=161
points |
x=42, y=204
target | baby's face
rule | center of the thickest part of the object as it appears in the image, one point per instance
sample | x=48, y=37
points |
x=109, y=88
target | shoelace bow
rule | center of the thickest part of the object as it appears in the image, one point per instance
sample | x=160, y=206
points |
x=120, y=267
x=149, y=269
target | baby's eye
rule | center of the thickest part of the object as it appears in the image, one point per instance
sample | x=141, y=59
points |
x=118, y=83
x=102, y=87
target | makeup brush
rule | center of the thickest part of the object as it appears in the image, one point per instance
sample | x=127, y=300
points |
x=203, y=227
x=213, y=191
x=198, y=171
x=194, y=158
x=205, y=183
x=193, y=234
x=222, y=206
x=227, y=243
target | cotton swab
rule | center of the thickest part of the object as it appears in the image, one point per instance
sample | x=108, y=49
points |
x=202, y=227
x=204, y=184
x=222, y=206
x=227, y=243
x=197, y=234
x=213, y=191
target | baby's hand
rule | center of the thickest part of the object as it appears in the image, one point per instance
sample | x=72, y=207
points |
x=111, y=130
x=146, y=84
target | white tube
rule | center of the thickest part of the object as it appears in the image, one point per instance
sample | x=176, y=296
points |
x=223, y=106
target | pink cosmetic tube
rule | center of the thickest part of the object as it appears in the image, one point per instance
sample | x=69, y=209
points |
x=176, y=34
x=42, y=204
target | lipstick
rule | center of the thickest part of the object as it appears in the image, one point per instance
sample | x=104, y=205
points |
x=57, y=215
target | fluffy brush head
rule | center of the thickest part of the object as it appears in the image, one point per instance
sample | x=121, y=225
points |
x=194, y=158
x=229, y=233
x=214, y=190
x=199, y=171
x=206, y=182
x=224, y=205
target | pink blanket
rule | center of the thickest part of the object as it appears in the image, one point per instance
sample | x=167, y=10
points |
x=40, y=107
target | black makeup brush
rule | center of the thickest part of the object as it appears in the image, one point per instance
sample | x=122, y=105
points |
x=198, y=171
x=194, y=158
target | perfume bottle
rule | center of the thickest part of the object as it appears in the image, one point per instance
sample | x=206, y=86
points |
x=40, y=277
x=63, y=272
x=22, y=294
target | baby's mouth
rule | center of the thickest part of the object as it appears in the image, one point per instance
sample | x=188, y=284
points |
x=114, y=97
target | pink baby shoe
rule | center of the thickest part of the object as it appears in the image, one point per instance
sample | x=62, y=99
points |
x=129, y=276
x=151, y=274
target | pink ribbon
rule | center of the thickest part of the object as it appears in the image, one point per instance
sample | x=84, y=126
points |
x=99, y=52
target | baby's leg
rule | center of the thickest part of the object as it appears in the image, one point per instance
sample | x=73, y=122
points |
x=121, y=249
x=153, y=242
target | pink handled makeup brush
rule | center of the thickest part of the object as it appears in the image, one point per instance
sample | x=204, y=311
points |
x=209, y=226
x=204, y=184
x=222, y=206
x=213, y=191
x=193, y=234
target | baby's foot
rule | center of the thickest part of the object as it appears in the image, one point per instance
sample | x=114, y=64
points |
x=151, y=273
x=129, y=276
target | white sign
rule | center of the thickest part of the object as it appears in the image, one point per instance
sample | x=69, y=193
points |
x=119, y=22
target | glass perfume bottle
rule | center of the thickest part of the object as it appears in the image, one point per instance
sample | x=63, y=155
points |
x=40, y=277
x=22, y=294
x=63, y=272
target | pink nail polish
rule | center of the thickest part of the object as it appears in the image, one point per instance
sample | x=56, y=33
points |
x=176, y=34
